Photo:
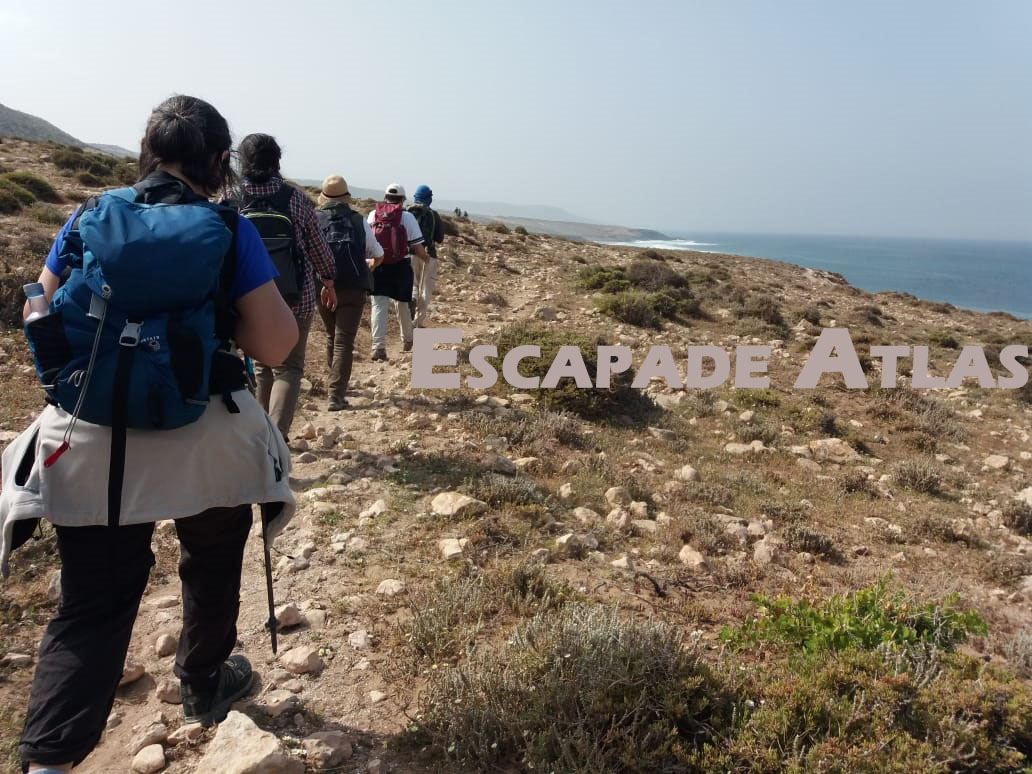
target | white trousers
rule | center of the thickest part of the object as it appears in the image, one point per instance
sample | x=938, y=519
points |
x=381, y=305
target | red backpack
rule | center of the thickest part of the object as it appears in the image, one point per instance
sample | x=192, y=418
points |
x=390, y=232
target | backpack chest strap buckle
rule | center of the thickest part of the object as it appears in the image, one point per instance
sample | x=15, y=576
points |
x=130, y=335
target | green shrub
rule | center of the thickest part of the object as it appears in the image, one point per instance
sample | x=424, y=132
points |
x=24, y=196
x=36, y=185
x=576, y=690
x=632, y=307
x=921, y=475
x=46, y=213
x=520, y=230
x=800, y=537
x=9, y=203
x=944, y=339
x=762, y=308
x=863, y=619
x=608, y=279
x=498, y=228
x=1018, y=516
x=654, y=275
x=619, y=399
x=89, y=179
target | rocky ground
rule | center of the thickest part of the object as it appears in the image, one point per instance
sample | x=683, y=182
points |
x=677, y=508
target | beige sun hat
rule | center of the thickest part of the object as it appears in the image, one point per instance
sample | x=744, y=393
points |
x=334, y=189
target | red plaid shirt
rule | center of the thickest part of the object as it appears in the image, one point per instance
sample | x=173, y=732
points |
x=315, y=253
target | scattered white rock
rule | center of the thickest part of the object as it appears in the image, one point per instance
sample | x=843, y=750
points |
x=359, y=639
x=996, y=462
x=152, y=733
x=624, y=562
x=618, y=495
x=149, y=760
x=54, y=587
x=375, y=509
x=644, y=527
x=450, y=548
x=168, y=691
x=375, y=697
x=691, y=557
x=279, y=701
x=566, y=491
x=288, y=615
x=765, y=553
x=457, y=504
x=327, y=749
x=687, y=473
x=390, y=587
x=301, y=660
x=662, y=434
x=619, y=519
x=191, y=732
x=166, y=645
x=834, y=450
x=16, y=660
x=240, y=747
x=131, y=672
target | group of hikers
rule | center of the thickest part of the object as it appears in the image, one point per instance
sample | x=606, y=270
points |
x=391, y=257
x=150, y=303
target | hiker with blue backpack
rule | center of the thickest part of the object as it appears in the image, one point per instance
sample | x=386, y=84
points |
x=357, y=255
x=400, y=237
x=285, y=219
x=149, y=418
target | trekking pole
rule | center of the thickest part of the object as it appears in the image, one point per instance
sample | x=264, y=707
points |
x=272, y=623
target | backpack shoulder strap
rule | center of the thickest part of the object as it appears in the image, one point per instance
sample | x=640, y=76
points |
x=225, y=314
x=281, y=199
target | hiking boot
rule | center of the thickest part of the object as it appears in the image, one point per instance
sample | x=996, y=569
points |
x=406, y=347
x=379, y=354
x=338, y=405
x=212, y=706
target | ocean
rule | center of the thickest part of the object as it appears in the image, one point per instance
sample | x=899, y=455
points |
x=985, y=276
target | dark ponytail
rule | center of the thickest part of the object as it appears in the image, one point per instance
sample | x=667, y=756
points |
x=259, y=157
x=190, y=132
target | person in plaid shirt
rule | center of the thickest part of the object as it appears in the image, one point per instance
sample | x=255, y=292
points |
x=279, y=387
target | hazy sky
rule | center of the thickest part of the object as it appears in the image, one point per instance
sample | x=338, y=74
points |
x=874, y=118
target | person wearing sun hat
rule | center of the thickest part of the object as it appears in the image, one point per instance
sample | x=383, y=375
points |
x=356, y=253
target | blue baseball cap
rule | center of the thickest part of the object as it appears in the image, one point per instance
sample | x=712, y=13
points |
x=423, y=194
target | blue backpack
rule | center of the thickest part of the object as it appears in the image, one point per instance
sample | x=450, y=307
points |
x=134, y=333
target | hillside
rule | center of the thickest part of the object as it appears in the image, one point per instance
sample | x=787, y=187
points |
x=567, y=580
x=15, y=123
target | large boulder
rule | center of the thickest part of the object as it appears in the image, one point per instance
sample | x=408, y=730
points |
x=240, y=747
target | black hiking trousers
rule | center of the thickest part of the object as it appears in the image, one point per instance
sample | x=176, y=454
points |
x=104, y=573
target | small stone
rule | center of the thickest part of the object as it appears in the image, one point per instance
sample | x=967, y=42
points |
x=149, y=760
x=618, y=495
x=359, y=639
x=191, y=732
x=153, y=733
x=279, y=701
x=168, y=692
x=450, y=548
x=860, y=550
x=54, y=587
x=327, y=749
x=691, y=557
x=545, y=313
x=640, y=509
x=566, y=491
x=624, y=562
x=644, y=527
x=301, y=660
x=586, y=515
x=161, y=603
x=380, y=506
x=997, y=462
x=113, y=720
x=166, y=645
x=619, y=519
x=457, y=504
x=765, y=553
x=390, y=587
x=541, y=555
x=301, y=445
x=374, y=767
x=662, y=434
x=687, y=473
x=240, y=747
x=746, y=417
x=288, y=615
x=17, y=660
x=308, y=431
x=375, y=697
x=131, y=673
x=834, y=450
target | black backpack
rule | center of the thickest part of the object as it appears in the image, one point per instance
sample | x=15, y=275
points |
x=344, y=230
x=270, y=214
x=427, y=220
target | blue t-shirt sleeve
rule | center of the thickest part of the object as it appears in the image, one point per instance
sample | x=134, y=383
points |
x=253, y=264
x=54, y=261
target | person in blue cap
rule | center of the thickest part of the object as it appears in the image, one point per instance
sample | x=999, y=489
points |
x=425, y=272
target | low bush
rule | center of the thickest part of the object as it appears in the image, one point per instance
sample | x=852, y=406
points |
x=9, y=203
x=577, y=690
x=800, y=537
x=23, y=195
x=591, y=403
x=520, y=230
x=36, y=185
x=498, y=228
x=46, y=213
x=1018, y=516
x=920, y=475
x=863, y=619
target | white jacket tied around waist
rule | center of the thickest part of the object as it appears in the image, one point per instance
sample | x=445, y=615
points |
x=221, y=460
